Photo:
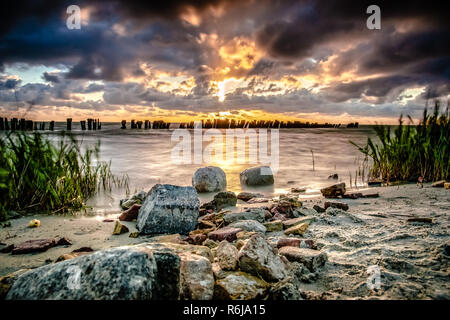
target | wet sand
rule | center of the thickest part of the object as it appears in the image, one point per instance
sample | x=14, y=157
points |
x=413, y=257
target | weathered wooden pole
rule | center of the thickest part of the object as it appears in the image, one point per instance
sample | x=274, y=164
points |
x=99, y=124
x=83, y=124
x=146, y=124
x=133, y=124
x=94, y=124
x=2, y=124
x=52, y=125
x=139, y=124
x=6, y=124
x=35, y=125
x=124, y=124
x=14, y=122
x=69, y=124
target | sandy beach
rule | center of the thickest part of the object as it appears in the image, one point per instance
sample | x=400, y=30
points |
x=412, y=256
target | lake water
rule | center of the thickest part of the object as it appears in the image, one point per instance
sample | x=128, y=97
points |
x=145, y=156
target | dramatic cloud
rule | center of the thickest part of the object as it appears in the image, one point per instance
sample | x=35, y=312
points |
x=177, y=59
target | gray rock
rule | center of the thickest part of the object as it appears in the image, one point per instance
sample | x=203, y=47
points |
x=257, y=214
x=197, y=278
x=209, y=179
x=245, y=196
x=249, y=225
x=285, y=290
x=119, y=273
x=240, y=286
x=312, y=259
x=169, y=209
x=334, y=191
x=257, y=257
x=224, y=199
x=257, y=176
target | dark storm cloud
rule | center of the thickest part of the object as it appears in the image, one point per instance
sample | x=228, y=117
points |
x=8, y=84
x=50, y=77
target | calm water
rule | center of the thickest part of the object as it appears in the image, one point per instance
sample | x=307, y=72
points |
x=145, y=156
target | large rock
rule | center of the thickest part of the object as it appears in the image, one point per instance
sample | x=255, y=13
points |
x=257, y=176
x=209, y=179
x=312, y=259
x=257, y=257
x=257, y=214
x=120, y=273
x=227, y=233
x=203, y=251
x=249, y=225
x=227, y=256
x=38, y=245
x=169, y=209
x=296, y=221
x=224, y=199
x=197, y=279
x=240, y=286
x=131, y=213
x=298, y=229
x=334, y=191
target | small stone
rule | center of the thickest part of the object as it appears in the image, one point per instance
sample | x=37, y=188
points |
x=119, y=229
x=371, y=195
x=298, y=190
x=226, y=233
x=297, y=229
x=285, y=290
x=245, y=196
x=257, y=200
x=296, y=221
x=131, y=213
x=134, y=234
x=334, y=176
x=249, y=225
x=296, y=242
x=196, y=277
x=334, y=191
x=244, y=235
x=127, y=204
x=352, y=195
x=334, y=211
x=240, y=286
x=312, y=259
x=279, y=216
x=421, y=219
x=339, y=205
x=319, y=209
x=257, y=257
x=64, y=242
x=7, y=248
x=225, y=199
x=197, y=239
x=276, y=225
x=108, y=220
x=167, y=238
x=227, y=256
x=251, y=214
x=447, y=185
x=240, y=243
x=210, y=243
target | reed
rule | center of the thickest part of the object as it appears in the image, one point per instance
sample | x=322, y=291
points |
x=411, y=151
x=39, y=175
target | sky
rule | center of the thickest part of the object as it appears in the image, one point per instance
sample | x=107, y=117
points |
x=244, y=59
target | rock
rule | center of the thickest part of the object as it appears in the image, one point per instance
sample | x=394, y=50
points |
x=245, y=196
x=140, y=196
x=7, y=248
x=224, y=199
x=240, y=243
x=209, y=179
x=333, y=177
x=276, y=225
x=108, y=220
x=296, y=242
x=375, y=183
x=252, y=214
x=169, y=209
x=285, y=290
x=210, y=243
x=125, y=273
x=244, y=235
x=338, y=205
x=119, y=229
x=196, y=277
x=318, y=208
x=29, y=246
x=180, y=248
x=227, y=256
x=420, y=219
x=306, y=211
x=75, y=253
x=63, y=242
x=312, y=259
x=83, y=249
x=292, y=199
x=334, y=191
x=134, y=234
x=249, y=225
x=34, y=223
x=227, y=233
x=438, y=184
x=240, y=286
x=167, y=238
x=334, y=211
x=447, y=185
x=257, y=257
x=218, y=272
x=298, y=190
x=352, y=195
x=197, y=239
x=296, y=221
x=283, y=207
x=297, y=229
x=205, y=224
x=130, y=214
x=128, y=203
x=279, y=216
x=257, y=176
x=371, y=195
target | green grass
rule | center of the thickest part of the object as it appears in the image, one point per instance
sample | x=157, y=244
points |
x=38, y=175
x=412, y=151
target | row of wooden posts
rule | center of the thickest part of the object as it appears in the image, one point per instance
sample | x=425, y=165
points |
x=23, y=124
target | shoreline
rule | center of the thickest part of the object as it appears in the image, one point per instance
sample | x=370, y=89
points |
x=373, y=231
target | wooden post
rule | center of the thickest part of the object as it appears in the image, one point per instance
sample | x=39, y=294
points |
x=94, y=125
x=22, y=124
x=146, y=123
x=14, y=125
x=99, y=124
x=52, y=125
x=124, y=124
x=83, y=124
x=42, y=125
x=35, y=125
x=69, y=124
x=139, y=124
x=2, y=124
x=6, y=124
x=133, y=124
